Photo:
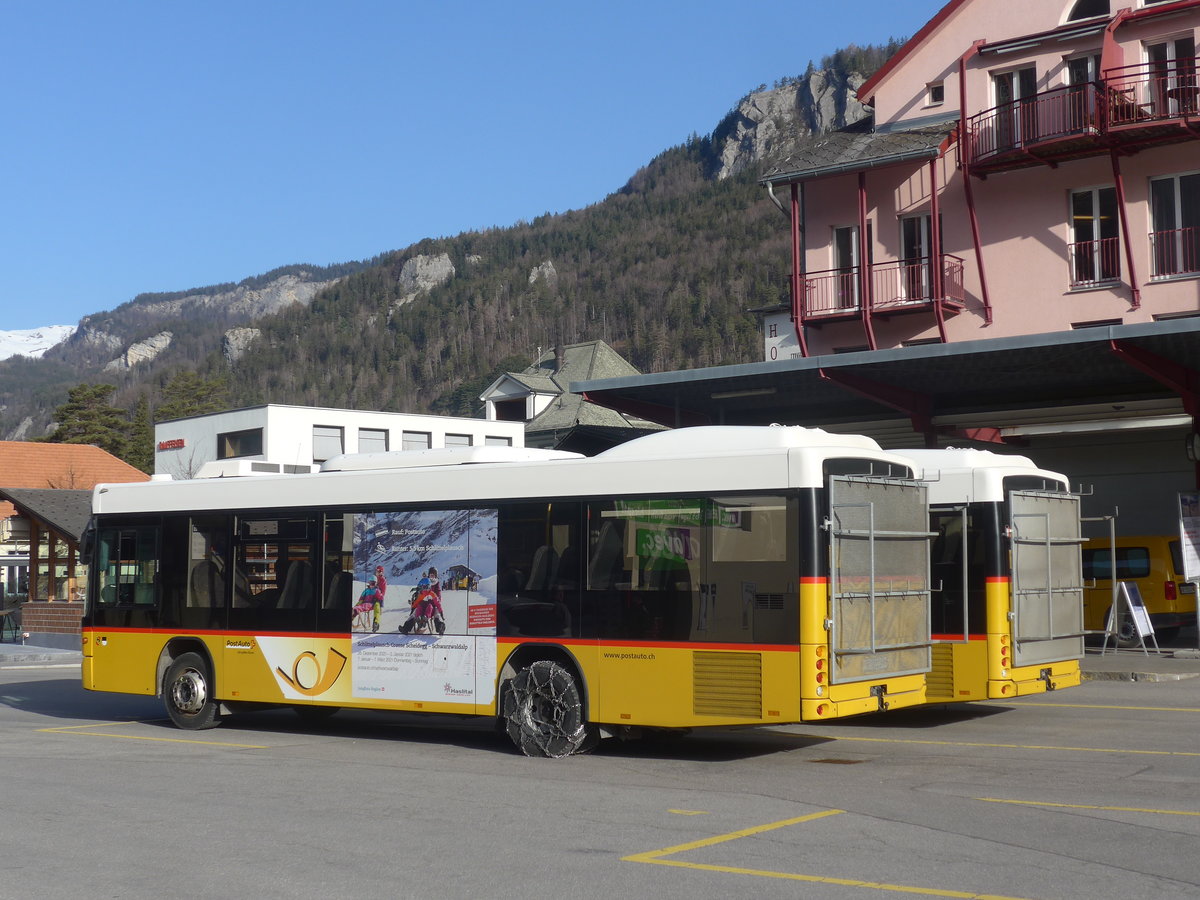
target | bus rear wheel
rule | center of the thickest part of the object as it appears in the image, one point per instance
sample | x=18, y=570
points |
x=187, y=693
x=543, y=712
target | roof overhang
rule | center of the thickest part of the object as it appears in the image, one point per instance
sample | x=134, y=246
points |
x=65, y=511
x=1088, y=375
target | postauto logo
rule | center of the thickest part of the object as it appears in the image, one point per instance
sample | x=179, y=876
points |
x=299, y=670
x=309, y=677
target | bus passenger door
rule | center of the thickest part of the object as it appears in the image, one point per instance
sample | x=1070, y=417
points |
x=271, y=653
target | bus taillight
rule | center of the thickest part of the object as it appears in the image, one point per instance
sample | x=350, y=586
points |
x=1169, y=591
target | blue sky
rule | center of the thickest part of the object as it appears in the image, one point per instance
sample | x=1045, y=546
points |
x=160, y=146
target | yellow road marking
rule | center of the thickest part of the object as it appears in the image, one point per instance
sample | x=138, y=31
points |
x=824, y=737
x=731, y=836
x=688, y=812
x=86, y=731
x=1134, y=809
x=656, y=857
x=1191, y=709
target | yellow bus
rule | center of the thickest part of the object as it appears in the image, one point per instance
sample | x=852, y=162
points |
x=707, y=576
x=1007, y=614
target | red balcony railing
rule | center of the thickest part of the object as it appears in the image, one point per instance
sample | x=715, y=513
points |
x=1175, y=252
x=895, y=286
x=1094, y=262
x=1047, y=116
x=1152, y=92
x=1146, y=103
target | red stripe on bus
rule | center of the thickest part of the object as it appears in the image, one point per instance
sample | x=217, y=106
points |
x=202, y=632
x=658, y=645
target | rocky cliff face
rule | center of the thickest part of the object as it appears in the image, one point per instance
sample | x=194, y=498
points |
x=141, y=352
x=423, y=273
x=766, y=122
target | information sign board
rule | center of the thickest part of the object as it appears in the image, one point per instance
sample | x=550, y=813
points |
x=1189, y=534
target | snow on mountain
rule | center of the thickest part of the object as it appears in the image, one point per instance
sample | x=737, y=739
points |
x=33, y=342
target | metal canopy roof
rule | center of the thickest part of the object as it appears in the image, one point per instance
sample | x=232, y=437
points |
x=986, y=382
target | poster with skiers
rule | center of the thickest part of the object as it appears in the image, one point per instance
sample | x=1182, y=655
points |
x=423, y=623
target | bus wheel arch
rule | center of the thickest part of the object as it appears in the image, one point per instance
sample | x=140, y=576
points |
x=541, y=705
x=188, y=688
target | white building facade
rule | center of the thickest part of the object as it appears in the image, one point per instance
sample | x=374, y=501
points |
x=304, y=436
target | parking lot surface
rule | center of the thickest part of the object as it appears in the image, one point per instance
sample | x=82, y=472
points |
x=1087, y=793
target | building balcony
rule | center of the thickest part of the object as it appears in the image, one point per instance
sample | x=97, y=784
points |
x=1094, y=263
x=1051, y=125
x=902, y=286
x=1147, y=97
x=1130, y=108
x=1175, y=252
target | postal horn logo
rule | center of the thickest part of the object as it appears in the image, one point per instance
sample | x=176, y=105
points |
x=309, y=677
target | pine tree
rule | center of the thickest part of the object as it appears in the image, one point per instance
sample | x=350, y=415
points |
x=88, y=418
x=189, y=394
x=141, y=438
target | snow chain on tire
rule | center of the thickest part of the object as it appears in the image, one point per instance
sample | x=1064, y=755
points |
x=543, y=711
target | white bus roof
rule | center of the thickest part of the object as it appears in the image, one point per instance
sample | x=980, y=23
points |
x=963, y=475
x=707, y=459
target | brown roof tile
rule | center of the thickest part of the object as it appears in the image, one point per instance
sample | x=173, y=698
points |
x=29, y=464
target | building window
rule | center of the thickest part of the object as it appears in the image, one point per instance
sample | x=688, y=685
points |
x=1175, y=225
x=1095, y=248
x=840, y=290
x=232, y=444
x=416, y=440
x=1016, y=112
x=372, y=440
x=1172, y=69
x=510, y=410
x=327, y=442
x=935, y=93
x=1089, y=9
x=493, y=441
x=458, y=440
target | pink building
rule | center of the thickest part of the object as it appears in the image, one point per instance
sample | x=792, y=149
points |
x=1008, y=255
x=1034, y=167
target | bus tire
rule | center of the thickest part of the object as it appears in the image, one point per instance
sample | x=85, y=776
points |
x=543, y=712
x=188, y=694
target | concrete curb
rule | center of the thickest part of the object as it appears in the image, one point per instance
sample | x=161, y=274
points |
x=17, y=655
x=1137, y=676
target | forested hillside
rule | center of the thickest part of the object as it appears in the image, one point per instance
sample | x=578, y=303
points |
x=664, y=270
x=667, y=270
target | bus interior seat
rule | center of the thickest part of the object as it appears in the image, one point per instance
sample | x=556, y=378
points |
x=337, y=596
x=207, y=586
x=605, y=557
x=299, y=587
x=543, y=569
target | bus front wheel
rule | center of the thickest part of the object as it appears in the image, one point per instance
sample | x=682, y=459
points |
x=543, y=712
x=187, y=693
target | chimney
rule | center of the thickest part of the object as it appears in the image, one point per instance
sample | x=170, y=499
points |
x=559, y=358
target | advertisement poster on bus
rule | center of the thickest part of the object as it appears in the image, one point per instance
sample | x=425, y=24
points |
x=423, y=624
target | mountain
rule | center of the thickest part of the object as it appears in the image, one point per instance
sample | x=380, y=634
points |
x=33, y=342
x=666, y=270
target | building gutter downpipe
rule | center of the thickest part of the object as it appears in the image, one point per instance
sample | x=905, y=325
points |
x=864, y=270
x=964, y=152
x=797, y=218
x=1119, y=183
